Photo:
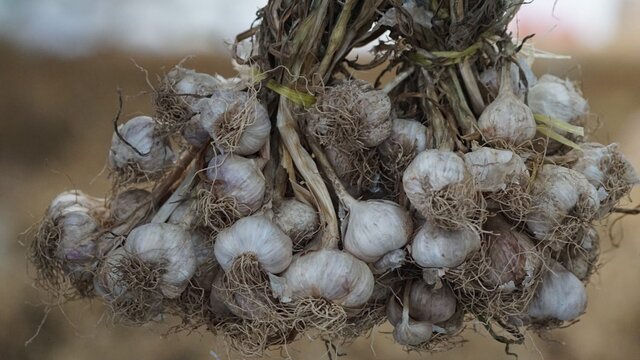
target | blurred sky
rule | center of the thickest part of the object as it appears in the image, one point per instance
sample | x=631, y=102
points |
x=79, y=27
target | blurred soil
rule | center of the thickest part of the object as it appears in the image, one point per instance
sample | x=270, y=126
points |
x=56, y=118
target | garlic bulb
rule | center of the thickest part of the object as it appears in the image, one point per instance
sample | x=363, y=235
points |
x=127, y=202
x=559, y=193
x=434, y=247
x=146, y=150
x=430, y=304
x=558, y=99
x=440, y=187
x=494, y=169
x=582, y=259
x=511, y=256
x=255, y=235
x=239, y=178
x=375, y=227
x=507, y=118
x=75, y=200
x=411, y=332
x=164, y=248
x=408, y=135
x=236, y=122
x=351, y=114
x=188, y=81
x=606, y=168
x=560, y=296
x=330, y=274
x=297, y=219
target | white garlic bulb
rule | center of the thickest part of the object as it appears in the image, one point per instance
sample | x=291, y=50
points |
x=188, y=81
x=557, y=193
x=408, y=135
x=507, y=118
x=75, y=200
x=558, y=99
x=297, y=219
x=240, y=178
x=606, y=168
x=429, y=304
x=160, y=247
x=146, y=150
x=560, y=296
x=375, y=227
x=330, y=274
x=255, y=235
x=581, y=259
x=439, y=186
x=377, y=125
x=434, y=247
x=494, y=169
x=236, y=122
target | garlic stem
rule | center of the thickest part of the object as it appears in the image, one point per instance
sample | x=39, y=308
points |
x=471, y=85
x=341, y=191
x=175, y=199
x=309, y=171
x=506, y=87
x=397, y=80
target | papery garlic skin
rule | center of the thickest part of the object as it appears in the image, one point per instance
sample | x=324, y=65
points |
x=580, y=260
x=330, y=274
x=560, y=296
x=558, y=99
x=429, y=304
x=188, y=81
x=258, y=236
x=507, y=118
x=412, y=333
x=389, y=261
x=376, y=227
x=223, y=115
x=297, y=219
x=409, y=135
x=433, y=170
x=377, y=125
x=434, y=247
x=75, y=200
x=494, y=169
x=511, y=255
x=152, y=152
x=240, y=178
x=127, y=202
x=165, y=245
x=556, y=192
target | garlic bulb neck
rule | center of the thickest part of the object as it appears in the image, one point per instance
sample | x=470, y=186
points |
x=314, y=274
x=254, y=235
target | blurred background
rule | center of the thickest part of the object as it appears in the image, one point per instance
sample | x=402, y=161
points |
x=61, y=63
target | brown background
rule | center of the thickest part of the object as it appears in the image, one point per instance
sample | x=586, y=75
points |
x=56, y=128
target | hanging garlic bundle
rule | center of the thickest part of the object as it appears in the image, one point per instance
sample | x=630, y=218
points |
x=296, y=201
x=441, y=188
x=138, y=152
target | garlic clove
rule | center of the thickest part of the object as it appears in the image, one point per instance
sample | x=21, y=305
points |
x=254, y=235
x=507, y=118
x=560, y=296
x=494, y=169
x=168, y=246
x=330, y=274
x=429, y=304
x=298, y=220
x=434, y=247
x=146, y=150
x=239, y=178
x=412, y=333
x=376, y=227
